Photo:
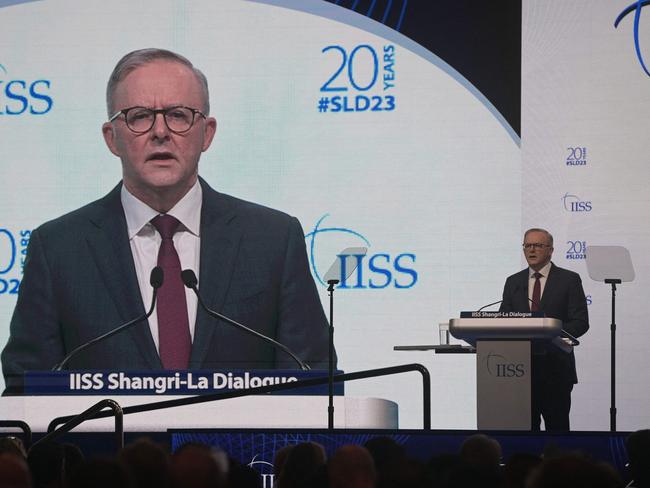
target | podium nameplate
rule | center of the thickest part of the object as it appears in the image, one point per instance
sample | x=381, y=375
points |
x=171, y=382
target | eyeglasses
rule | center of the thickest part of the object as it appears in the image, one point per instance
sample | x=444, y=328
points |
x=534, y=245
x=141, y=119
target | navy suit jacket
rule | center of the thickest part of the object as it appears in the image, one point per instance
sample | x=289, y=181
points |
x=563, y=299
x=80, y=281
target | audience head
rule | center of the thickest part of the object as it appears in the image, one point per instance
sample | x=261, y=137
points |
x=518, y=469
x=243, y=476
x=147, y=463
x=384, y=450
x=280, y=459
x=14, y=472
x=481, y=452
x=303, y=464
x=574, y=471
x=352, y=466
x=638, y=453
x=46, y=463
x=101, y=473
x=199, y=466
x=12, y=445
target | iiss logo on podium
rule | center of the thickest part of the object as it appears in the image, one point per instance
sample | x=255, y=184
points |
x=501, y=367
x=371, y=271
x=23, y=97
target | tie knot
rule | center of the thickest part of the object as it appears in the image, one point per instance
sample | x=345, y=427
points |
x=166, y=225
x=537, y=275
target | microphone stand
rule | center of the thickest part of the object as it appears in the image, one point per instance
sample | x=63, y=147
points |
x=612, y=408
x=156, y=280
x=330, y=366
x=191, y=282
x=333, y=277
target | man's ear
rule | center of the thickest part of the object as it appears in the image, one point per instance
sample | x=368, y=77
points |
x=108, y=131
x=210, y=131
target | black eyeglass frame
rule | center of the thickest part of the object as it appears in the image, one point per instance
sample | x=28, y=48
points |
x=535, y=245
x=155, y=112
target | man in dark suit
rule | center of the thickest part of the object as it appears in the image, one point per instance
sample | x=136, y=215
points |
x=88, y=271
x=558, y=293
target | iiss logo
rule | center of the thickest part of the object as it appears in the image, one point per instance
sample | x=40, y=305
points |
x=636, y=7
x=499, y=366
x=373, y=271
x=266, y=470
x=573, y=203
x=19, y=96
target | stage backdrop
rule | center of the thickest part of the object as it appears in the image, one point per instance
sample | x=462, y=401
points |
x=387, y=124
x=585, y=103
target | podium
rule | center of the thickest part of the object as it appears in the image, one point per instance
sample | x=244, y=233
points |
x=503, y=364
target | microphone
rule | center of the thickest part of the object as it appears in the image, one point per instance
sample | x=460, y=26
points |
x=489, y=305
x=499, y=301
x=156, y=280
x=537, y=304
x=573, y=341
x=190, y=281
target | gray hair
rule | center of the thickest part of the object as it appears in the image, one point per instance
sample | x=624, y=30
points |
x=136, y=59
x=544, y=231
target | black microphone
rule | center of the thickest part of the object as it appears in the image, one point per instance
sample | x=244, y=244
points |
x=537, y=304
x=499, y=301
x=488, y=305
x=189, y=278
x=563, y=333
x=156, y=280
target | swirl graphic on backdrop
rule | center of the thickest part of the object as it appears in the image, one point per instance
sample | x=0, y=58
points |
x=492, y=361
x=573, y=203
x=567, y=199
x=255, y=462
x=388, y=10
x=636, y=7
x=11, y=252
x=320, y=230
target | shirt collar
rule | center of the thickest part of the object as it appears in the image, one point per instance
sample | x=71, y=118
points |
x=187, y=210
x=544, y=271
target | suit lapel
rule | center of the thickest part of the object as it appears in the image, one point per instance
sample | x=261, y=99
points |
x=220, y=238
x=523, y=285
x=549, y=286
x=109, y=245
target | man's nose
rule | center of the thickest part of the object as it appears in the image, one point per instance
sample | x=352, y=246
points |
x=159, y=128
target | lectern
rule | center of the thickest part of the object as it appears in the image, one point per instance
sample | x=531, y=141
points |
x=503, y=363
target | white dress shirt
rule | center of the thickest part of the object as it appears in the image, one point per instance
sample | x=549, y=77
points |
x=145, y=242
x=542, y=281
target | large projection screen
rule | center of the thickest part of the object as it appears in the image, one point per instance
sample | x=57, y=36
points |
x=388, y=125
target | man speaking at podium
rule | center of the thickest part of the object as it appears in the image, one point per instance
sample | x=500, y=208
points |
x=558, y=293
x=89, y=271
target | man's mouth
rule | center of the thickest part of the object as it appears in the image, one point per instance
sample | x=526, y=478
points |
x=160, y=156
